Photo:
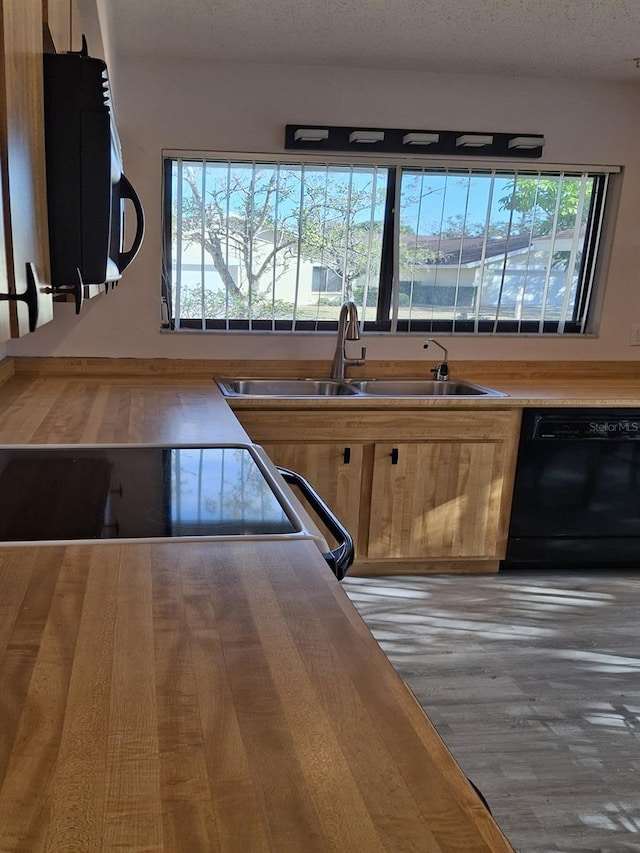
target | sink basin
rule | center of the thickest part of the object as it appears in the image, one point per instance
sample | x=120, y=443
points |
x=354, y=387
x=284, y=388
x=422, y=388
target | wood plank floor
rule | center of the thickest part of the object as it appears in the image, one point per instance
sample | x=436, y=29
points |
x=533, y=681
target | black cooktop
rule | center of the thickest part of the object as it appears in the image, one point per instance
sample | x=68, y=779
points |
x=136, y=492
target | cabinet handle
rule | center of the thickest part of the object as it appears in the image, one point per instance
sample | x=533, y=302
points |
x=341, y=557
x=394, y=456
x=76, y=289
x=346, y=456
x=30, y=296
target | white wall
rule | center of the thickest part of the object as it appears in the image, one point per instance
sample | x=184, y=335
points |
x=190, y=105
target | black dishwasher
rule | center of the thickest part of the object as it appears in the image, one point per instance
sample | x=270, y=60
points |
x=576, y=500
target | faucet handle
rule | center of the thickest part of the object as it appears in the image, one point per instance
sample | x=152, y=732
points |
x=363, y=353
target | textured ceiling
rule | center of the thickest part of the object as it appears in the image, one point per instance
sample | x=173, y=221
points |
x=550, y=38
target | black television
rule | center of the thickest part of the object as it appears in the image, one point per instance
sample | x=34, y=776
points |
x=87, y=190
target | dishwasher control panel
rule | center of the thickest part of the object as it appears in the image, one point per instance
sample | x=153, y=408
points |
x=580, y=427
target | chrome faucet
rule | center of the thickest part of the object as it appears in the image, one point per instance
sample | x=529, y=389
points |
x=441, y=370
x=347, y=331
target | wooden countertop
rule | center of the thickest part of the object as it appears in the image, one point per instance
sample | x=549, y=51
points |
x=200, y=696
x=590, y=393
x=114, y=410
x=541, y=383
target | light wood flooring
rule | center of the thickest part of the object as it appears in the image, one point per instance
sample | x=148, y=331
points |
x=533, y=682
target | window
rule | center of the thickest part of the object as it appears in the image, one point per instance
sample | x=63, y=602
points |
x=420, y=248
x=325, y=280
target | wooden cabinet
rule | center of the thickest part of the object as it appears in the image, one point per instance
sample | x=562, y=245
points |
x=334, y=471
x=436, y=499
x=26, y=239
x=423, y=490
x=63, y=24
x=56, y=15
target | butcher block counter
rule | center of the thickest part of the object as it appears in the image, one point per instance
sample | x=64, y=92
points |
x=544, y=383
x=200, y=696
x=203, y=697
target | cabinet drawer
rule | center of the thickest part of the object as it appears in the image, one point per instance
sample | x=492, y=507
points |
x=379, y=425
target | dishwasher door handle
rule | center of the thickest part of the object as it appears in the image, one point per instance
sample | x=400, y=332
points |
x=341, y=557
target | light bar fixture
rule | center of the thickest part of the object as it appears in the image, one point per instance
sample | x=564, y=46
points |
x=474, y=140
x=414, y=142
x=420, y=138
x=311, y=134
x=366, y=136
x=526, y=142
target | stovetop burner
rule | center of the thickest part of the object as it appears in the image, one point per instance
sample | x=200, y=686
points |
x=138, y=492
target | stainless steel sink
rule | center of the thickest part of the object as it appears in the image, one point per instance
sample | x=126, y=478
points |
x=285, y=388
x=355, y=387
x=422, y=388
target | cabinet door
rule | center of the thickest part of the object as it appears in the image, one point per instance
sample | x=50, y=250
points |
x=435, y=499
x=23, y=156
x=334, y=471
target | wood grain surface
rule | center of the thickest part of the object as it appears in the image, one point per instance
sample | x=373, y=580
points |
x=200, y=696
x=51, y=410
x=440, y=499
x=205, y=697
x=539, y=383
x=23, y=155
x=56, y=14
x=531, y=678
x=544, y=370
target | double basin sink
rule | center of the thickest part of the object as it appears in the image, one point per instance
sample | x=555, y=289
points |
x=353, y=388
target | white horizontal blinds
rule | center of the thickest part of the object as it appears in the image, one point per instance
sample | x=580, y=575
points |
x=262, y=245
x=492, y=250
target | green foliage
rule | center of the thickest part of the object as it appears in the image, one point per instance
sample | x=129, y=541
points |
x=372, y=295
x=458, y=226
x=215, y=305
x=536, y=200
x=265, y=218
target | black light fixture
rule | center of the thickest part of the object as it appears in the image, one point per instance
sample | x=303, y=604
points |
x=398, y=141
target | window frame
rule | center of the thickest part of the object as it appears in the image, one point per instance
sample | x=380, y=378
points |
x=593, y=263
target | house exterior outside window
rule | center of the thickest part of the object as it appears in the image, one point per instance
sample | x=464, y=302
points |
x=324, y=280
x=279, y=245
